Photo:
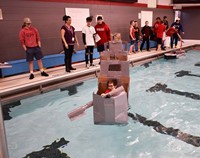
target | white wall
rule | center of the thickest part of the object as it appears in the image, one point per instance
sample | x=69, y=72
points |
x=159, y=2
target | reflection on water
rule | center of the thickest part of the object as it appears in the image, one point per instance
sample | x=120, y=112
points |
x=72, y=90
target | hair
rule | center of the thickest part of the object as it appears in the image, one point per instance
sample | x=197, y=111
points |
x=158, y=18
x=164, y=17
x=23, y=25
x=66, y=17
x=99, y=18
x=112, y=81
x=131, y=21
x=89, y=19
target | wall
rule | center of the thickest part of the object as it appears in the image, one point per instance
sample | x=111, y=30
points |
x=190, y=21
x=47, y=17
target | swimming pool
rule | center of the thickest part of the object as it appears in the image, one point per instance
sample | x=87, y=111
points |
x=156, y=93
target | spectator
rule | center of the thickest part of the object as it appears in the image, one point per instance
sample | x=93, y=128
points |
x=146, y=32
x=30, y=40
x=137, y=36
x=68, y=40
x=103, y=31
x=132, y=37
x=175, y=37
x=159, y=34
x=88, y=33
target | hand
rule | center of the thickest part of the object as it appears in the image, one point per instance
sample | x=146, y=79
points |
x=77, y=44
x=183, y=32
x=66, y=46
x=85, y=46
x=103, y=95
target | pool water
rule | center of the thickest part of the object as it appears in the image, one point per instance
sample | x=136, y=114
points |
x=42, y=119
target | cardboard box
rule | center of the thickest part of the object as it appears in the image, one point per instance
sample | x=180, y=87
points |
x=110, y=110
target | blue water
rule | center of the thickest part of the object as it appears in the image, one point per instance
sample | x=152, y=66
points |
x=42, y=119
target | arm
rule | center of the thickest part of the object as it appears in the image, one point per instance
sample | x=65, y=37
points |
x=62, y=33
x=84, y=39
x=108, y=34
x=76, y=39
x=130, y=33
x=22, y=40
x=181, y=28
x=179, y=36
x=37, y=37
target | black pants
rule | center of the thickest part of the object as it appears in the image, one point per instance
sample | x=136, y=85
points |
x=143, y=41
x=68, y=56
x=174, y=38
x=89, y=50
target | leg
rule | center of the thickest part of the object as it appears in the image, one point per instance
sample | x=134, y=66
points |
x=176, y=39
x=40, y=65
x=172, y=41
x=86, y=56
x=141, y=47
x=138, y=45
x=147, y=44
x=31, y=66
x=91, y=59
x=67, y=59
x=71, y=51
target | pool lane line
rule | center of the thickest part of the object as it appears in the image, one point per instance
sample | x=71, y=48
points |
x=185, y=73
x=158, y=127
x=163, y=87
x=51, y=150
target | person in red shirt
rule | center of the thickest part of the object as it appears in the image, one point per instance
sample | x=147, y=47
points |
x=30, y=40
x=111, y=85
x=132, y=37
x=171, y=31
x=159, y=34
x=103, y=31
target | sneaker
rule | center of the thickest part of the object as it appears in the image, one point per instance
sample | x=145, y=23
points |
x=87, y=66
x=72, y=68
x=44, y=74
x=31, y=76
x=92, y=64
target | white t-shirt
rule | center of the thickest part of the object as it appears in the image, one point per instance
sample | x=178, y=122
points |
x=89, y=32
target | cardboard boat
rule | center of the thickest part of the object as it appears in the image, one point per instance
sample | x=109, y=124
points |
x=114, y=65
x=174, y=55
x=113, y=109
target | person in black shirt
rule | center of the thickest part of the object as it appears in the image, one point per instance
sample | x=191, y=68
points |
x=146, y=33
x=175, y=37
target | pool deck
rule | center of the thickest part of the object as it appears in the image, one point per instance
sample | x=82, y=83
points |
x=17, y=87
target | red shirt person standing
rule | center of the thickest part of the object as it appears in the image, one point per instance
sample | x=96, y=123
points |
x=103, y=31
x=30, y=40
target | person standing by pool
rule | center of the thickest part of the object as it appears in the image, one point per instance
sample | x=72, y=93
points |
x=146, y=32
x=103, y=31
x=30, y=40
x=88, y=33
x=132, y=37
x=137, y=36
x=68, y=40
x=159, y=34
x=175, y=37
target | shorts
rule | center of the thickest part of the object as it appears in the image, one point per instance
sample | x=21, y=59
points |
x=89, y=49
x=100, y=48
x=32, y=52
x=159, y=40
x=132, y=42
